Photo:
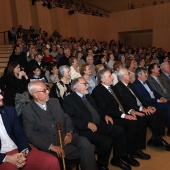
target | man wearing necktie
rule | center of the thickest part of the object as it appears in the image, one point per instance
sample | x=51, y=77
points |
x=109, y=105
x=81, y=107
x=150, y=96
x=133, y=105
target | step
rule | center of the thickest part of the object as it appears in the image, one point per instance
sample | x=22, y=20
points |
x=5, y=55
x=4, y=60
x=6, y=46
x=3, y=65
x=2, y=71
x=6, y=52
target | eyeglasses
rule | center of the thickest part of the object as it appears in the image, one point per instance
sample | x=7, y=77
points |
x=43, y=91
x=127, y=74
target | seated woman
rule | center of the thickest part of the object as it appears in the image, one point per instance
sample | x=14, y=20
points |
x=74, y=68
x=86, y=73
x=36, y=74
x=54, y=74
x=16, y=81
x=79, y=55
x=141, y=62
x=63, y=87
x=111, y=61
x=48, y=58
x=121, y=58
x=102, y=59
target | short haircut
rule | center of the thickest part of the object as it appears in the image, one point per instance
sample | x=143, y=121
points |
x=71, y=60
x=120, y=72
x=32, y=85
x=74, y=83
x=163, y=65
x=101, y=74
x=128, y=62
x=151, y=67
x=83, y=68
x=117, y=65
x=140, y=70
x=61, y=71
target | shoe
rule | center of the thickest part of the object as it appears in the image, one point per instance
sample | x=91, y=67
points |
x=165, y=144
x=129, y=159
x=120, y=164
x=103, y=168
x=141, y=155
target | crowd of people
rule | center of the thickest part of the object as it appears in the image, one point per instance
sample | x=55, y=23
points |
x=104, y=95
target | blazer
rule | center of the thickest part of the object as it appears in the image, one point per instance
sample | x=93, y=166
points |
x=127, y=98
x=154, y=84
x=78, y=111
x=144, y=94
x=165, y=80
x=40, y=125
x=105, y=101
x=13, y=128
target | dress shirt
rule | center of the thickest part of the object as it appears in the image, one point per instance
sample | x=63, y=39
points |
x=107, y=87
x=168, y=75
x=42, y=106
x=7, y=144
x=138, y=102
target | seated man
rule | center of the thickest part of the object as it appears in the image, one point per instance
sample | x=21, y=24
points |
x=155, y=81
x=135, y=106
x=153, y=98
x=15, y=152
x=81, y=107
x=40, y=117
x=109, y=105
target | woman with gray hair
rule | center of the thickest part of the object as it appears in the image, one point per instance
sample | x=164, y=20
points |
x=63, y=87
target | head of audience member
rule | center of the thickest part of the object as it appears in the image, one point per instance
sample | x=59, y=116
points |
x=64, y=73
x=124, y=75
x=73, y=62
x=90, y=59
x=141, y=74
x=79, y=85
x=130, y=64
x=165, y=58
x=54, y=70
x=117, y=65
x=13, y=68
x=60, y=51
x=79, y=55
x=17, y=50
x=67, y=52
x=46, y=52
x=90, y=52
x=165, y=67
x=154, y=69
x=141, y=62
x=101, y=59
x=54, y=48
x=85, y=69
x=111, y=56
x=121, y=58
x=1, y=99
x=36, y=70
x=39, y=91
x=38, y=57
x=99, y=67
x=104, y=53
x=105, y=77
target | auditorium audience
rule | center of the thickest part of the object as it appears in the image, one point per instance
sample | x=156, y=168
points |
x=116, y=66
x=54, y=74
x=90, y=61
x=131, y=66
x=65, y=59
x=79, y=55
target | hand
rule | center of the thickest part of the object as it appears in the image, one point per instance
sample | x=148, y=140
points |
x=92, y=127
x=152, y=108
x=148, y=111
x=17, y=159
x=162, y=100
x=58, y=150
x=68, y=138
x=129, y=117
x=108, y=119
x=135, y=113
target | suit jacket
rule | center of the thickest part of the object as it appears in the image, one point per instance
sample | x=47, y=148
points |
x=144, y=94
x=40, y=125
x=78, y=111
x=126, y=97
x=105, y=101
x=165, y=81
x=154, y=84
x=13, y=128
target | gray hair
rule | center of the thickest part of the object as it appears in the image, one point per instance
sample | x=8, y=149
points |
x=101, y=73
x=33, y=85
x=140, y=70
x=162, y=66
x=61, y=71
x=74, y=83
x=120, y=72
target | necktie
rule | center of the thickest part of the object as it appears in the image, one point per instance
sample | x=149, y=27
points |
x=120, y=105
x=44, y=107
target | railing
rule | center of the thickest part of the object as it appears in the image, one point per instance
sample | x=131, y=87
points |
x=4, y=35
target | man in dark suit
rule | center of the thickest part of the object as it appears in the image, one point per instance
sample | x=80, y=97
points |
x=81, y=107
x=40, y=118
x=155, y=81
x=152, y=97
x=134, y=106
x=108, y=104
x=15, y=152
